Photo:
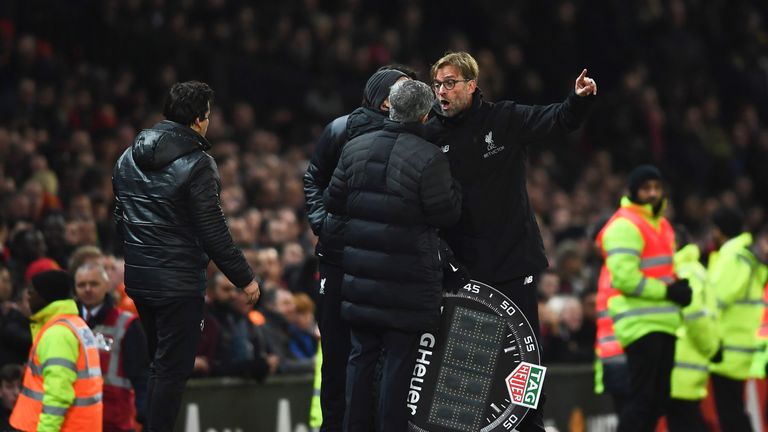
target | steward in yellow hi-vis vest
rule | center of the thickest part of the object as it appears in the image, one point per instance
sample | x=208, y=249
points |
x=638, y=244
x=611, y=372
x=62, y=383
x=698, y=341
x=738, y=277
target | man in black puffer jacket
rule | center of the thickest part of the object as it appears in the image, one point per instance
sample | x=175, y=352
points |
x=168, y=214
x=395, y=190
x=334, y=331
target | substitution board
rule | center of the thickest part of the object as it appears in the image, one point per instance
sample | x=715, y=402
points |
x=481, y=371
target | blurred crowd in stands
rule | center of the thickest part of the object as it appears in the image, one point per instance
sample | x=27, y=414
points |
x=683, y=85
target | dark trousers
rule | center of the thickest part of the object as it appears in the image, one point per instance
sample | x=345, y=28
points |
x=650, y=360
x=729, y=402
x=685, y=416
x=399, y=357
x=334, y=335
x=173, y=331
x=616, y=383
x=524, y=296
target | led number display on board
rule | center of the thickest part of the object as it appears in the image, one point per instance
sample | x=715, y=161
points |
x=481, y=371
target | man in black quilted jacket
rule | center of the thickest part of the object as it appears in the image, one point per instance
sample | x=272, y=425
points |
x=395, y=191
x=168, y=214
x=334, y=331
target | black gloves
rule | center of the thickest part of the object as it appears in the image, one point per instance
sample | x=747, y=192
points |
x=455, y=275
x=718, y=356
x=680, y=292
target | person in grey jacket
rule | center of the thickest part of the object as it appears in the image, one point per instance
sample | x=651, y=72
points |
x=168, y=214
x=395, y=191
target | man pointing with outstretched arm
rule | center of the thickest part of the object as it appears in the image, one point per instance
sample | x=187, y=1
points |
x=487, y=143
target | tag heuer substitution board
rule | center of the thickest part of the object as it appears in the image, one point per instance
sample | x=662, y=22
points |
x=481, y=371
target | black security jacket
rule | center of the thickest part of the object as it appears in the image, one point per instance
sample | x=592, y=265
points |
x=395, y=190
x=328, y=148
x=497, y=237
x=168, y=213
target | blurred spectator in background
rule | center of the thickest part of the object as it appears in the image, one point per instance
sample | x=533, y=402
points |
x=10, y=387
x=303, y=328
x=279, y=310
x=549, y=284
x=571, y=268
x=28, y=255
x=15, y=338
x=240, y=350
x=569, y=338
x=122, y=349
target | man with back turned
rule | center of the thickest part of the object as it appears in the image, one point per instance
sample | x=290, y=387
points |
x=395, y=190
x=168, y=213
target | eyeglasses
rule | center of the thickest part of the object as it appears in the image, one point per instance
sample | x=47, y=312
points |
x=448, y=84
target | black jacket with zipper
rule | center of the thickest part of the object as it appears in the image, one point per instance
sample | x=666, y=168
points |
x=168, y=214
x=498, y=238
x=325, y=225
x=395, y=190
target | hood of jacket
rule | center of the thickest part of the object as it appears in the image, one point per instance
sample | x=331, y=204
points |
x=364, y=120
x=687, y=254
x=51, y=310
x=164, y=143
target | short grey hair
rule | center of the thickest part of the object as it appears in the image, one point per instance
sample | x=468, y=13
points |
x=409, y=100
x=88, y=266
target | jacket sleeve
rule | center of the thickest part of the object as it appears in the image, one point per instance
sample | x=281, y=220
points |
x=730, y=276
x=118, y=212
x=320, y=170
x=440, y=193
x=700, y=322
x=136, y=365
x=211, y=227
x=534, y=122
x=335, y=196
x=623, y=244
x=58, y=350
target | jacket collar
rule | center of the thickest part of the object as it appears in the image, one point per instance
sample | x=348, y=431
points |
x=364, y=120
x=687, y=254
x=185, y=131
x=50, y=311
x=644, y=210
x=415, y=128
x=105, y=307
x=741, y=241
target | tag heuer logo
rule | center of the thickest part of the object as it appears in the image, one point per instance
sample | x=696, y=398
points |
x=524, y=384
x=489, y=141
